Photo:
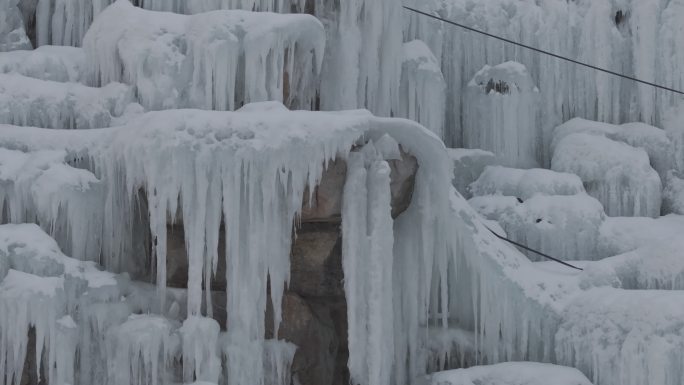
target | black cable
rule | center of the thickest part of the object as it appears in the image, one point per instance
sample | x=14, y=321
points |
x=534, y=251
x=543, y=52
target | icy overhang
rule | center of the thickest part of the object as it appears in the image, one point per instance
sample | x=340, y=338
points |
x=216, y=60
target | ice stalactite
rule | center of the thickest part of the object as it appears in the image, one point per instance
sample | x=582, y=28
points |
x=422, y=88
x=217, y=60
x=278, y=357
x=28, y=302
x=39, y=186
x=492, y=282
x=500, y=115
x=362, y=66
x=55, y=292
x=367, y=262
x=199, y=339
x=142, y=350
x=40, y=103
x=65, y=22
x=618, y=175
x=205, y=167
x=642, y=42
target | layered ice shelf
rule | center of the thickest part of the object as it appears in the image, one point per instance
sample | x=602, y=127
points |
x=61, y=64
x=27, y=101
x=218, y=60
x=618, y=175
x=511, y=373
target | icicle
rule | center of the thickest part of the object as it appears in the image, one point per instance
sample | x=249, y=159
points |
x=140, y=350
x=367, y=262
x=217, y=60
x=618, y=175
x=27, y=301
x=423, y=90
x=200, y=350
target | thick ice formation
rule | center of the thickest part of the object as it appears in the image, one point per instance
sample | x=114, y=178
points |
x=674, y=127
x=673, y=194
x=32, y=102
x=39, y=186
x=141, y=350
x=565, y=227
x=622, y=234
x=422, y=88
x=618, y=175
x=655, y=266
x=199, y=339
x=625, y=337
x=524, y=184
x=362, y=65
x=653, y=140
x=637, y=38
x=61, y=64
x=542, y=209
x=511, y=373
x=250, y=169
x=40, y=286
x=61, y=22
x=368, y=264
x=500, y=115
x=217, y=60
x=12, y=32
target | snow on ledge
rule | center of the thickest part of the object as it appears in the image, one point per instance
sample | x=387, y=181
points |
x=199, y=61
x=511, y=373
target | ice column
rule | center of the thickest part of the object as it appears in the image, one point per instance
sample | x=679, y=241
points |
x=368, y=238
x=422, y=92
x=500, y=114
x=201, y=362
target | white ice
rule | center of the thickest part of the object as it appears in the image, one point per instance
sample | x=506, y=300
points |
x=218, y=60
x=422, y=91
x=60, y=64
x=27, y=101
x=524, y=184
x=618, y=175
x=500, y=115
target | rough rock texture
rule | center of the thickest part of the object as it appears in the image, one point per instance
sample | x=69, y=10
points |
x=326, y=204
x=316, y=262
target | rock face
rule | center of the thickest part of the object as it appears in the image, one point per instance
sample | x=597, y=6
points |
x=326, y=204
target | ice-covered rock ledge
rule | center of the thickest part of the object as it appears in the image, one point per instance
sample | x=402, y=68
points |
x=218, y=60
x=249, y=170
